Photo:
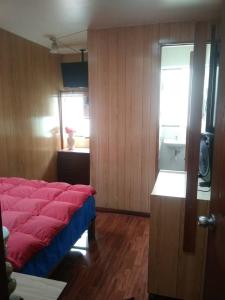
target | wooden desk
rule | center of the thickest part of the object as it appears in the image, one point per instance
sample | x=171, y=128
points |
x=37, y=288
x=74, y=166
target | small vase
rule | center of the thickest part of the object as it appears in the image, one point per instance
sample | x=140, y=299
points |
x=70, y=141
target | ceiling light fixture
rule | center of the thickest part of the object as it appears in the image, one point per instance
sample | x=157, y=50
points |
x=54, y=45
x=57, y=45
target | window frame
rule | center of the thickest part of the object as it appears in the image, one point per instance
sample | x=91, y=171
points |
x=83, y=91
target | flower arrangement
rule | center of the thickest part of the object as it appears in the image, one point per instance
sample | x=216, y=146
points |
x=69, y=130
x=70, y=138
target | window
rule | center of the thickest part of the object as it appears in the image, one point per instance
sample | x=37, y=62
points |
x=75, y=116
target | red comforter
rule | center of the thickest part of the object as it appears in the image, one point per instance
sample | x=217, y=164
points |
x=35, y=211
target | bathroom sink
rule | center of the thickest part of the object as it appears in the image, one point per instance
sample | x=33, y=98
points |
x=174, y=143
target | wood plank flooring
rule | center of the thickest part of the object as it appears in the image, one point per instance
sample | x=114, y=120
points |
x=114, y=267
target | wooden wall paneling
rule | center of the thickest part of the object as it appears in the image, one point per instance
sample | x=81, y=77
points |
x=6, y=106
x=113, y=117
x=150, y=111
x=182, y=32
x=30, y=80
x=103, y=139
x=99, y=159
x=129, y=163
x=91, y=73
x=94, y=119
x=76, y=57
x=121, y=121
x=164, y=245
x=147, y=145
x=124, y=72
x=125, y=119
x=134, y=102
x=153, y=118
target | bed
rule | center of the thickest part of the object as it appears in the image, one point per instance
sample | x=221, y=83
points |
x=44, y=220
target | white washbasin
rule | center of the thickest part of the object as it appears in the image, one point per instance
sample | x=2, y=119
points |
x=174, y=143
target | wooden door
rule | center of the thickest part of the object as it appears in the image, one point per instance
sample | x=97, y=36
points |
x=214, y=288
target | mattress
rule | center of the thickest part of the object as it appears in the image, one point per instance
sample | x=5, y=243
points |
x=35, y=212
x=45, y=260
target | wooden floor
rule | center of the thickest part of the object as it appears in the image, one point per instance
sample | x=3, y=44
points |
x=114, y=267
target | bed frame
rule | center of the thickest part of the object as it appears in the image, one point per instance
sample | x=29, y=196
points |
x=91, y=231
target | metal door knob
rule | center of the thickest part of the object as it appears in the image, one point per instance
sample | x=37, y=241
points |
x=207, y=221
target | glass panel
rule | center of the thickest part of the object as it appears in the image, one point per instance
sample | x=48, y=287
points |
x=216, y=94
x=75, y=117
x=174, y=99
x=206, y=86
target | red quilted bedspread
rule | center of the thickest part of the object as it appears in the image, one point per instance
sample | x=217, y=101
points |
x=35, y=211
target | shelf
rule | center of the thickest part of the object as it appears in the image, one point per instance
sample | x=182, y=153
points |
x=37, y=288
x=76, y=150
x=173, y=184
x=170, y=184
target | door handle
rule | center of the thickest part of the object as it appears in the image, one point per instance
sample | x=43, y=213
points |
x=207, y=221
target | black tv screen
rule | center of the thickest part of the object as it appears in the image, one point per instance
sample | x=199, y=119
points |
x=75, y=74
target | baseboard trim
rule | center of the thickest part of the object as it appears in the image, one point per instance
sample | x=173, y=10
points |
x=124, y=212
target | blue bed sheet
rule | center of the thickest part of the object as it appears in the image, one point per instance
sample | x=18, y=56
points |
x=45, y=261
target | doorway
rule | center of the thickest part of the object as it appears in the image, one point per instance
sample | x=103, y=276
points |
x=175, y=75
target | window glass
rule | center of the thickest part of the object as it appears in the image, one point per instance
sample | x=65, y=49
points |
x=75, y=116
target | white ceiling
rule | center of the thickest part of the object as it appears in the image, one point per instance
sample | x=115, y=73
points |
x=34, y=19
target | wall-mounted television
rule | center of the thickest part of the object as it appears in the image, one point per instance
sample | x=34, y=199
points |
x=75, y=75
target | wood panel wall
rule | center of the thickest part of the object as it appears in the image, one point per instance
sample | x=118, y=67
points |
x=76, y=57
x=29, y=84
x=124, y=66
